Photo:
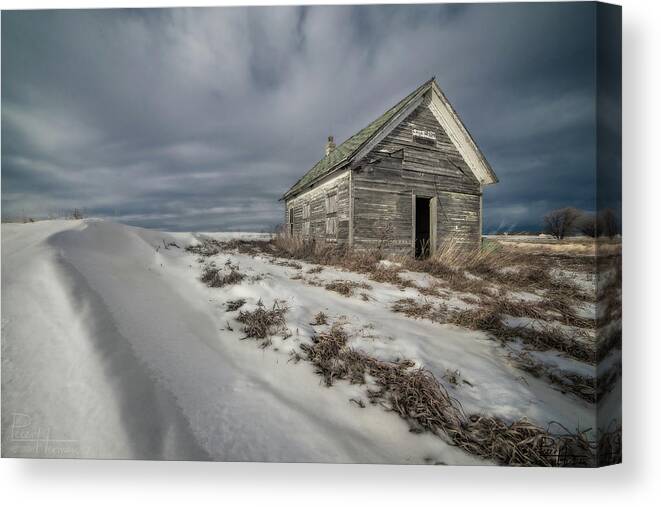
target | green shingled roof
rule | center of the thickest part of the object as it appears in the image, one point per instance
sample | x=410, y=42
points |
x=348, y=148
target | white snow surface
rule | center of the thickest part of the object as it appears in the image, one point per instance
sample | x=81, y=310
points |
x=113, y=348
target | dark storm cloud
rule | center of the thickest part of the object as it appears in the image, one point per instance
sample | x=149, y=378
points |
x=199, y=119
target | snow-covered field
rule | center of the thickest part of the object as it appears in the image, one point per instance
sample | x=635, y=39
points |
x=113, y=348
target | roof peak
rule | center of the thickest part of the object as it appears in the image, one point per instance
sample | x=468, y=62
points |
x=341, y=155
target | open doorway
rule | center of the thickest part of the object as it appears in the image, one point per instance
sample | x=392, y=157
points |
x=422, y=226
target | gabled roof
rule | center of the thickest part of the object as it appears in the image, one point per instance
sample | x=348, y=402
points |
x=349, y=149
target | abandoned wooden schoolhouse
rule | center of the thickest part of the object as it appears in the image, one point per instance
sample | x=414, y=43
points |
x=409, y=181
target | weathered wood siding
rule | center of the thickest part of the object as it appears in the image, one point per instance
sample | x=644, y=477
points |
x=400, y=167
x=316, y=198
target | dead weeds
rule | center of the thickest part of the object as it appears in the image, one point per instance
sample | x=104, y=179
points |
x=424, y=309
x=416, y=395
x=213, y=276
x=346, y=287
x=320, y=319
x=488, y=317
x=262, y=323
x=234, y=304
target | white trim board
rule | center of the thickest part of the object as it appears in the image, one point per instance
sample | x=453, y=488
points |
x=460, y=137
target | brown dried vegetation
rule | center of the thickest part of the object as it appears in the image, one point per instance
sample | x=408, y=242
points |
x=346, y=287
x=234, y=304
x=416, y=395
x=320, y=319
x=213, y=276
x=261, y=323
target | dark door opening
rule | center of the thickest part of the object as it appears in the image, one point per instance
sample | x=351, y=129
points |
x=422, y=227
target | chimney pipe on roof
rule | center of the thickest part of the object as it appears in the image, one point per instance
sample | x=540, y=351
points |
x=330, y=145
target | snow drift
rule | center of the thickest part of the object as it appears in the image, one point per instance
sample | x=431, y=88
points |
x=113, y=348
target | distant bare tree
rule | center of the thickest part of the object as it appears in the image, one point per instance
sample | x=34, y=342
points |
x=560, y=222
x=77, y=214
x=589, y=224
x=608, y=222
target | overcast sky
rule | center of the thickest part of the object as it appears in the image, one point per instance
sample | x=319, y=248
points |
x=200, y=119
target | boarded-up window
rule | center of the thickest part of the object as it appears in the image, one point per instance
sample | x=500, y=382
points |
x=331, y=226
x=306, y=219
x=331, y=203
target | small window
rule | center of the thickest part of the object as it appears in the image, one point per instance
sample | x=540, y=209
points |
x=291, y=221
x=306, y=219
x=331, y=203
x=331, y=226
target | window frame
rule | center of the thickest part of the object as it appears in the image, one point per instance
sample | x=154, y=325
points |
x=331, y=214
x=331, y=197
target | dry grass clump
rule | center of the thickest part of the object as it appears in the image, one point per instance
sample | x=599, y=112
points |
x=517, y=308
x=297, y=247
x=493, y=264
x=242, y=246
x=333, y=361
x=206, y=248
x=549, y=337
x=411, y=308
x=258, y=277
x=220, y=277
x=434, y=289
x=564, y=311
x=326, y=254
x=315, y=270
x=462, y=269
x=262, y=323
x=234, y=304
x=288, y=264
x=320, y=319
x=445, y=272
x=420, y=309
x=545, y=310
x=360, y=261
x=539, y=337
x=579, y=385
x=384, y=274
x=489, y=318
x=452, y=376
x=529, y=276
x=564, y=289
x=416, y=395
x=346, y=287
x=479, y=319
x=458, y=256
x=453, y=260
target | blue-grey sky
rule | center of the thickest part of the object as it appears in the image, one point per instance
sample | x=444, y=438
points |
x=200, y=119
